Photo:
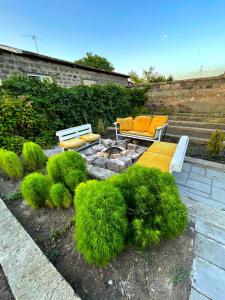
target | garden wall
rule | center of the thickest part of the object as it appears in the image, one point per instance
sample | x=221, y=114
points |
x=201, y=95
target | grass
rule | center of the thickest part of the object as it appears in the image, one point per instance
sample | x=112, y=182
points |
x=180, y=274
x=56, y=233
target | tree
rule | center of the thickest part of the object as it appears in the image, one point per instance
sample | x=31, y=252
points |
x=148, y=76
x=95, y=61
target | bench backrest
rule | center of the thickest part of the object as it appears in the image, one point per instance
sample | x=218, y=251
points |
x=179, y=154
x=73, y=132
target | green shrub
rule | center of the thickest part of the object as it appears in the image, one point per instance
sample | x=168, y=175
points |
x=13, y=143
x=155, y=210
x=215, y=143
x=60, y=196
x=35, y=189
x=2, y=151
x=100, y=127
x=33, y=156
x=11, y=164
x=68, y=167
x=100, y=223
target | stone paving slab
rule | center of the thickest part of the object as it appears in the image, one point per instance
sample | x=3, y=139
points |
x=29, y=273
x=207, y=201
x=215, y=174
x=198, y=170
x=210, y=231
x=203, y=179
x=218, y=184
x=218, y=194
x=195, y=295
x=208, y=279
x=210, y=250
x=198, y=186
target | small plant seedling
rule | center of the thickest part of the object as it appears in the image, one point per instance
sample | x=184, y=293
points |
x=53, y=254
x=56, y=233
x=180, y=274
x=16, y=196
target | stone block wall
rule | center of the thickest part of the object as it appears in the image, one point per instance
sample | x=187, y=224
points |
x=66, y=74
x=200, y=95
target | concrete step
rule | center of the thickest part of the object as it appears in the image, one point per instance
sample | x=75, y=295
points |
x=197, y=118
x=191, y=131
x=184, y=123
x=195, y=140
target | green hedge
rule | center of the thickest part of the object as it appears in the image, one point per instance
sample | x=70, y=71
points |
x=35, y=110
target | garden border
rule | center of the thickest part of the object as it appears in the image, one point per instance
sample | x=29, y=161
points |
x=204, y=162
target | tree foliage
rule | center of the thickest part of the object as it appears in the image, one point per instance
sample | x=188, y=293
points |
x=148, y=76
x=95, y=61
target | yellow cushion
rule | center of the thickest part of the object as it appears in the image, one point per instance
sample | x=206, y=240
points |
x=72, y=143
x=155, y=160
x=126, y=123
x=157, y=121
x=163, y=148
x=90, y=137
x=144, y=133
x=142, y=123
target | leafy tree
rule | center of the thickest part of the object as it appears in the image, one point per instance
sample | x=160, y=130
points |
x=95, y=61
x=148, y=76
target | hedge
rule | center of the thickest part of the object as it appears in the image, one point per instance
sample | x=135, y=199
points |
x=35, y=110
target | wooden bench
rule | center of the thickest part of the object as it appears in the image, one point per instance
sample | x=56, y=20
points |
x=168, y=157
x=77, y=138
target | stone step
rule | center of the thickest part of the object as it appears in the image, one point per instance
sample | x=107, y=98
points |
x=191, y=131
x=197, y=118
x=195, y=140
x=220, y=126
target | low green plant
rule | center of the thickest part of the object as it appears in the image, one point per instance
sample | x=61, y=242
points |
x=100, y=127
x=35, y=189
x=216, y=143
x=60, y=196
x=33, y=156
x=180, y=274
x=16, y=196
x=101, y=222
x=11, y=164
x=68, y=168
x=155, y=210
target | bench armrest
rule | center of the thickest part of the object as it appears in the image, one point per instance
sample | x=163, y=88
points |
x=162, y=127
x=179, y=154
x=115, y=123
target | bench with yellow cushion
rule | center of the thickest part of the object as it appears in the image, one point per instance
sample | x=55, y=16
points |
x=72, y=143
x=142, y=127
x=167, y=157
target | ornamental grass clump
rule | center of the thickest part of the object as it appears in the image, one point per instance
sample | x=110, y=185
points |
x=34, y=157
x=101, y=222
x=155, y=210
x=35, y=189
x=60, y=196
x=216, y=143
x=11, y=164
x=68, y=168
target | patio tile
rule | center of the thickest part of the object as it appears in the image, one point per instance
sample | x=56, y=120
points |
x=214, y=174
x=210, y=231
x=195, y=295
x=180, y=177
x=208, y=279
x=199, y=170
x=198, y=177
x=218, y=184
x=183, y=190
x=186, y=167
x=199, y=193
x=198, y=185
x=210, y=250
x=207, y=201
x=218, y=194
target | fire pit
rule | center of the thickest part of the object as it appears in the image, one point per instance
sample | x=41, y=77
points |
x=112, y=152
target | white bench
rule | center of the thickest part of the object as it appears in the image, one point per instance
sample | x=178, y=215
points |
x=75, y=132
x=179, y=154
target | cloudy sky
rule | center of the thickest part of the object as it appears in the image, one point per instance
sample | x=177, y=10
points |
x=177, y=37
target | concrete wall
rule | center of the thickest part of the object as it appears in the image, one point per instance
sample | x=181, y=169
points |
x=205, y=95
x=65, y=75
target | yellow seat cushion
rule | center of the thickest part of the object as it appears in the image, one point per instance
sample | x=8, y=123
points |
x=163, y=148
x=157, y=121
x=90, y=137
x=72, y=143
x=142, y=123
x=143, y=133
x=126, y=123
x=155, y=160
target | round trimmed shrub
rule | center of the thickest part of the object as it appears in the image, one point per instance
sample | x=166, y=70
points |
x=35, y=189
x=33, y=156
x=11, y=164
x=155, y=210
x=101, y=222
x=2, y=151
x=60, y=196
x=64, y=168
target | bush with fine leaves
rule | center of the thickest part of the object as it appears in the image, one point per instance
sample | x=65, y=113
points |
x=35, y=189
x=68, y=167
x=60, y=196
x=11, y=164
x=34, y=157
x=100, y=223
x=155, y=210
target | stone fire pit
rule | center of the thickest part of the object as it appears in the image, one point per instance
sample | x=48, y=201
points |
x=109, y=157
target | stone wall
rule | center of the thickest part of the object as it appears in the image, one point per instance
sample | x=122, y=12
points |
x=66, y=74
x=200, y=95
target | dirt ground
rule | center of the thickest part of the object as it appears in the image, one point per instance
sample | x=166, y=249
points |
x=158, y=273
x=5, y=291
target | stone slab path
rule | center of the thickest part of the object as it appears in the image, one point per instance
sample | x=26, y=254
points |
x=29, y=273
x=203, y=191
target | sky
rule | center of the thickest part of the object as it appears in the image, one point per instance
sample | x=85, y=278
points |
x=176, y=37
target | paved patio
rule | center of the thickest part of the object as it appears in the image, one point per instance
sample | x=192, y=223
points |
x=203, y=191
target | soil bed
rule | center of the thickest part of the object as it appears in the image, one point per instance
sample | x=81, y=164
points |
x=161, y=272
x=5, y=291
